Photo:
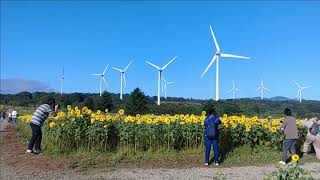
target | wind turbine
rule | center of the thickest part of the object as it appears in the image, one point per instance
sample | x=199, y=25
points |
x=165, y=87
x=61, y=81
x=122, y=77
x=300, y=88
x=160, y=71
x=102, y=78
x=217, y=57
x=262, y=88
x=233, y=89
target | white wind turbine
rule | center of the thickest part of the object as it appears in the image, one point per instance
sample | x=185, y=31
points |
x=262, y=88
x=160, y=70
x=233, y=89
x=102, y=78
x=61, y=81
x=300, y=88
x=165, y=87
x=122, y=77
x=217, y=57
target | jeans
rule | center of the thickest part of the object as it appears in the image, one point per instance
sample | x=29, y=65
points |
x=14, y=120
x=288, y=145
x=208, y=144
x=35, y=140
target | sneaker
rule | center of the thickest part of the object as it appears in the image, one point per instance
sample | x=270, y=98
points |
x=36, y=151
x=206, y=164
x=282, y=163
x=29, y=151
x=216, y=163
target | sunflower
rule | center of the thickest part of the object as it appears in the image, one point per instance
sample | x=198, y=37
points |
x=248, y=126
x=273, y=129
x=121, y=112
x=295, y=157
x=62, y=124
x=105, y=126
x=52, y=124
x=248, y=129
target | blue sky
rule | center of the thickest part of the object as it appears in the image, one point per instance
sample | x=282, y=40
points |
x=39, y=38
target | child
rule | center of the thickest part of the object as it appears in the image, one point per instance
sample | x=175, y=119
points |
x=291, y=132
x=211, y=136
x=37, y=120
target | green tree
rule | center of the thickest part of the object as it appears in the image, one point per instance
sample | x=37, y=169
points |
x=105, y=102
x=136, y=103
x=88, y=101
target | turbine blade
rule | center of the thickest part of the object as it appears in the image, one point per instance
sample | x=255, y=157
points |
x=267, y=89
x=162, y=88
x=169, y=63
x=128, y=65
x=170, y=83
x=306, y=87
x=124, y=80
x=258, y=88
x=105, y=69
x=96, y=74
x=212, y=61
x=117, y=69
x=234, y=56
x=164, y=80
x=230, y=91
x=298, y=85
x=214, y=39
x=105, y=81
x=152, y=65
x=299, y=91
x=236, y=89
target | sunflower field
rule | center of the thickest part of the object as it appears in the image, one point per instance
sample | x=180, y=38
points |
x=80, y=129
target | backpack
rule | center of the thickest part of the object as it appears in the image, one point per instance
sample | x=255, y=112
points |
x=212, y=130
x=314, y=129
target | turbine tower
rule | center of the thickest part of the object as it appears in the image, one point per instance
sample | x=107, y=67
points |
x=165, y=87
x=61, y=81
x=122, y=78
x=102, y=78
x=217, y=57
x=300, y=88
x=262, y=88
x=160, y=71
x=233, y=89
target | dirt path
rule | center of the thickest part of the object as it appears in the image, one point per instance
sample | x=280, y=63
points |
x=15, y=164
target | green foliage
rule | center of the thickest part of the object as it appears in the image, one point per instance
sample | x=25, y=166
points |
x=136, y=103
x=248, y=107
x=292, y=171
x=88, y=102
x=105, y=102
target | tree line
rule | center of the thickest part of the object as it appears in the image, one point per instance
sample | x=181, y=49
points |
x=138, y=103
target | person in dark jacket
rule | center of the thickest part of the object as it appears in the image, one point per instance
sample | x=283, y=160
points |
x=212, y=118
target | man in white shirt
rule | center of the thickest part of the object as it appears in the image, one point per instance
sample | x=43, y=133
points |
x=14, y=116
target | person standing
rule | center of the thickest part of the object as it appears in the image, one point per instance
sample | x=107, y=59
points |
x=9, y=116
x=211, y=136
x=36, y=122
x=291, y=135
x=312, y=139
x=14, y=114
